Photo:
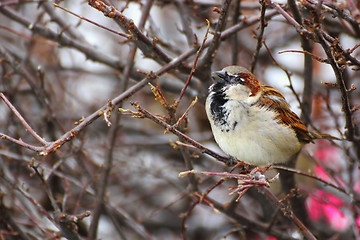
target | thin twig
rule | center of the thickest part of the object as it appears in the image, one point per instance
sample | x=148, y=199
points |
x=92, y=22
x=90, y=52
x=21, y=143
x=49, y=8
x=319, y=59
x=207, y=60
x=48, y=191
x=16, y=2
x=7, y=216
x=304, y=230
x=29, y=197
x=194, y=67
x=234, y=39
x=309, y=175
x=251, y=224
x=186, y=138
x=260, y=35
x=302, y=31
x=184, y=12
x=351, y=131
x=310, y=35
x=336, y=10
x=308, y=69
x=39, y=93
x=147, y=46
x=23, y=121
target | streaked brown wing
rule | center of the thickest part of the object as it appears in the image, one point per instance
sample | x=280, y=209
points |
x=273, y=99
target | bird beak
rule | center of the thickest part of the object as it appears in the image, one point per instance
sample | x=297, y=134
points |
x=219, y=76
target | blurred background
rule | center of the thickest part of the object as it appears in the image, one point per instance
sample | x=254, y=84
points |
x=117, y=177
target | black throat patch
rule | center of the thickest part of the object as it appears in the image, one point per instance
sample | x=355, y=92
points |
x=218, y=100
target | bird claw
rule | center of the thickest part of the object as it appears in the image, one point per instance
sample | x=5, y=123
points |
x=258, y=176
x=232, y=162
x=243, y=167
x=261, y=170
x=254, y=178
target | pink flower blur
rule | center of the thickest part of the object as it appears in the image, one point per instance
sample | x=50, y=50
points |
x=325, y=206
x=336, y=218
x=321, y=173
x=329, y=156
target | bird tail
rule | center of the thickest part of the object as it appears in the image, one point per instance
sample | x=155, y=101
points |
x=325, y=136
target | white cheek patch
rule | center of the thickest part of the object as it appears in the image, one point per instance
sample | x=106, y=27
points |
x=237, y=92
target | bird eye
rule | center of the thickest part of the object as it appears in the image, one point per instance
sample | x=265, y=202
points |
x=225, y=78
x=238, y=79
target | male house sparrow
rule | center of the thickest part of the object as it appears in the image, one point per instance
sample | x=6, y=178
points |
x=253, y=122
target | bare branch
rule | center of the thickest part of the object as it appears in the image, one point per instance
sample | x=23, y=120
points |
x=260, y=36
x=22, y=120
x=207, y=60
x=184, y=137
x=89, y=51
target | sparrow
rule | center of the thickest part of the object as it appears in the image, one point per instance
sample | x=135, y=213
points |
x=253, y=122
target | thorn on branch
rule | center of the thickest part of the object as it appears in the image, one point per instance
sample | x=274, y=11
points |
x=159, y=97
x=216, y=10
x=351, y=50
x=355, y=108
x=352, y=88
x=132, y=113
x=107, y=112
x=331, y=84
x=68, y=224
x=80, y=120
x=286, y=201
x=185, y=114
